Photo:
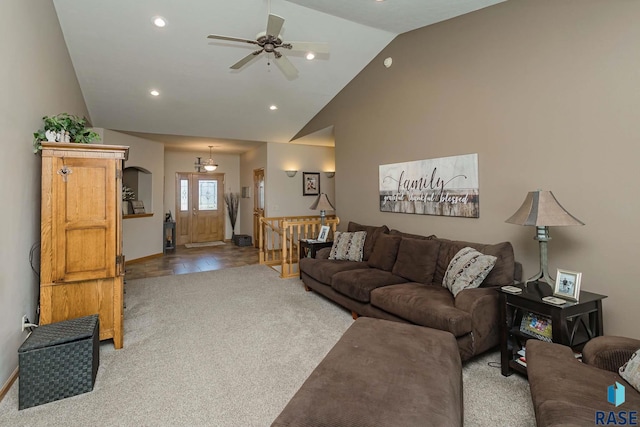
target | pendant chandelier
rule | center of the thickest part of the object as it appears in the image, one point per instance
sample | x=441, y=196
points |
x=208, y=165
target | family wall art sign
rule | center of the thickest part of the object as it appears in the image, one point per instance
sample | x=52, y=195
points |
x=446, y=186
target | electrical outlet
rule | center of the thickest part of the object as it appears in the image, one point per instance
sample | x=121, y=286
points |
x=25, y=321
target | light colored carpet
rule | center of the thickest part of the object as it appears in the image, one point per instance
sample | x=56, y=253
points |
x=203, y=244
x=230, y=348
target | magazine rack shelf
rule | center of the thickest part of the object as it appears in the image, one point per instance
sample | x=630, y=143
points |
x=571, y=324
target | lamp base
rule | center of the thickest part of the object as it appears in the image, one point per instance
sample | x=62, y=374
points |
x=542, y=236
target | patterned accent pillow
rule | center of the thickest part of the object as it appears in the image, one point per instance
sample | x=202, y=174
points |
x=630, y=371
x=348, y=246
x=467, y=269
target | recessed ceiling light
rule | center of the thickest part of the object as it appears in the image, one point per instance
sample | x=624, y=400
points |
x=310, y=56
x=154, y=92
x=159, y=21
x=273, y=107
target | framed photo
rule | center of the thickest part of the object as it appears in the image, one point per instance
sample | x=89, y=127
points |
x=138, y=206
x=310, y=183
x=567, y=285
x=324, y=233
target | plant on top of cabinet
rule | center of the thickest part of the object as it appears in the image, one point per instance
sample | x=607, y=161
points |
x=64, y=127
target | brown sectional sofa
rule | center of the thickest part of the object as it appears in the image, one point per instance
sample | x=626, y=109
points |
x=401, y=278
x=567, y=392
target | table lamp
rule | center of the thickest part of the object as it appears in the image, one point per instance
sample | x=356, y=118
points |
x=540, y=208
x=322, y=204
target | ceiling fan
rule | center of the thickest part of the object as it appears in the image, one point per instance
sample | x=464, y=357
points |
x=269, y=42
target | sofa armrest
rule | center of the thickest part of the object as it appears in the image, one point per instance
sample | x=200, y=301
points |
x=483, y=307
x=323, y=253
x=470, y=300
x=609, y=352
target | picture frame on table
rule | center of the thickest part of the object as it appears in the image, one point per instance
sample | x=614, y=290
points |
x=567, y=284
x=310, y=183
x=324, y=233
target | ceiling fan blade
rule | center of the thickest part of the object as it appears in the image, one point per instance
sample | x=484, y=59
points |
x=287, y=68
x=274, y=25
x=310, y=47
x=245, y=60
x=231, y=39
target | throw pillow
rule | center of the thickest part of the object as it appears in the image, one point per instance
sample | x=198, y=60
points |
x=348, y=246
x=467, y=269
x=384, y=252
x=630, y=371
x=416, y=260
x=372, y=235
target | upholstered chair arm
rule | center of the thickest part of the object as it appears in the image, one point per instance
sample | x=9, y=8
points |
x=609, y=352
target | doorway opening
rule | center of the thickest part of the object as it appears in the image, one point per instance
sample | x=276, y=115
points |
x=200, y=210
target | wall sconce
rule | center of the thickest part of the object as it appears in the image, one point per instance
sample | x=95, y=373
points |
x=291, y=173
x=330, y=174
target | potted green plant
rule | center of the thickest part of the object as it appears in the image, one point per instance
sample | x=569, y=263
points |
x=64, y=127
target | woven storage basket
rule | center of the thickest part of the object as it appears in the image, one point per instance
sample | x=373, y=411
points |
x=58, y=360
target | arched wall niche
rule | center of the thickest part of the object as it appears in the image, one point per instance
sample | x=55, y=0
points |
x=140, y=181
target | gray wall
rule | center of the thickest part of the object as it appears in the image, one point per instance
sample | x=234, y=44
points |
x=143, y=237
x=546, y=92
x=36, y=79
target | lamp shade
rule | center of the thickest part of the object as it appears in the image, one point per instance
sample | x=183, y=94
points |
x=540, y=208
x=322, y=203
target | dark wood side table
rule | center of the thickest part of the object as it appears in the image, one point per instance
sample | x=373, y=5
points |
x=308, y=248
x=572, y=324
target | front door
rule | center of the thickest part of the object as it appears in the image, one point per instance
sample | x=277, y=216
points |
x=200, y=210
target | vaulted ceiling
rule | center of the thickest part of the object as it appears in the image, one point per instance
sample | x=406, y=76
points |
x=120, y=56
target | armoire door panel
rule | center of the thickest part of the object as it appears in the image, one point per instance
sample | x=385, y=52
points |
x=84, y=184
x=86, y=251
x=85, y=222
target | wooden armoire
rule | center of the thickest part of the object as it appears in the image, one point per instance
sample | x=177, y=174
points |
x=81, y=262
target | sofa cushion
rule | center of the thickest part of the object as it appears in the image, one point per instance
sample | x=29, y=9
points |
x=630, y=371
x=384, y=252
x=503, y=271
x=372, y=235
x=427, y=305
x=467, y=269
x=416, y=260
x=411, y=236
x=358, y=284
x=323, y=270
x=348, y=246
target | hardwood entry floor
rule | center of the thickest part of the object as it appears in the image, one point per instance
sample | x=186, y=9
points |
x=184, y=260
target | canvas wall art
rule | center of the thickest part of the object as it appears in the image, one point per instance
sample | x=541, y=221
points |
x=446, y=186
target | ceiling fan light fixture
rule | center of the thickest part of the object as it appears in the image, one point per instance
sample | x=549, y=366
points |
x=159, y=21
x=310, y=56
